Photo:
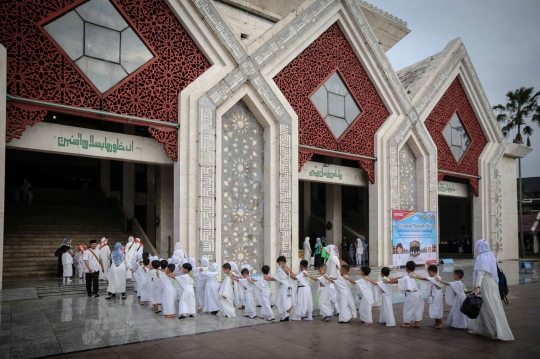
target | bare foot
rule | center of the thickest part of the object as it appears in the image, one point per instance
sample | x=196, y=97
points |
x=368, y=323
x=405, y=325
x=438, y=326
x=415, y=326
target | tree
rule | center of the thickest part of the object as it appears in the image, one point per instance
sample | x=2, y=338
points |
x=521, y=106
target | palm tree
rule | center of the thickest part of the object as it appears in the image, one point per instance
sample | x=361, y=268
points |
x=521, y=105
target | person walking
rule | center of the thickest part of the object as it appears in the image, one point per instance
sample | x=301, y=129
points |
x=93, y=266
x=345, y=244
x=318, y=253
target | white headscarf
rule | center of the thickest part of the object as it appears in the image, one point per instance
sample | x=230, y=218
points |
x=306, y=240
x=192, y=262
x=183, y=261
x=333, y=261
x=174, y=260
x=234, y=267
x=177, y=246
x=131, y=239
x=247, y=266
x=204, y=262
x=214, y=268
x=485, y=261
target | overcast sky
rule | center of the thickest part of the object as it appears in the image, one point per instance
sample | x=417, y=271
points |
x=502, y=38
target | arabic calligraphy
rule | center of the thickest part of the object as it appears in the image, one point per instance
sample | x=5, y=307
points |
x=327, y=174
x=86, y=144
x=447, y=188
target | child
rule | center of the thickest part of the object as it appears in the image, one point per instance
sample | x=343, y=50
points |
x=67, y=265
x=304, y=299
x=200, y=282
x=247, y=283
x=168, y=282
x=263, y=293
x=384, y=290
x=211, y=289
x=80, y=262
x=363, y=286
x=347, y=308
x=413, y=308
x=226, y=293
x=455, y=295
x=238, y=292
x=283, y=281
x=435, y=298
x=186, y=292
x=323, y=293
x=159, y=286
x=155, y=265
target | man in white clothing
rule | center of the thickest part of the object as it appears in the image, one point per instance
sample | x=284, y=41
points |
x=93, y=266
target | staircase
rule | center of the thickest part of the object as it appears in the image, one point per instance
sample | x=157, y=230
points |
x=33, y=233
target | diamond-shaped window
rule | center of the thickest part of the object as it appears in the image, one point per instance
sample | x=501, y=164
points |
x=457, y=137
x=336, y=105
x=100, y=42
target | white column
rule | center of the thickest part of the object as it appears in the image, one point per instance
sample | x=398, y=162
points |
x=307, y=207
x=164, y=209
x=105, y=177
x=128, y=189
x=3, y=93
x=151, y=202
x=333, y=214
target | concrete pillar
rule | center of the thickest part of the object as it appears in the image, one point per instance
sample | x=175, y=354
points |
x=3, y=93
x=333, y=214
x=151, y=203
x=164, y=209
x=307, y=207
x=128, y=189
x=105, y=178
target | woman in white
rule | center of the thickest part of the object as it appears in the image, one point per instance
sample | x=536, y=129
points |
x=67, y=264
x=178, y=251
x=492, y=320
x=307, y=250
x=105, y=256
x=118, y=272
x=131, y=249
x=333, y=266
x=359, y=252
x=211, y=290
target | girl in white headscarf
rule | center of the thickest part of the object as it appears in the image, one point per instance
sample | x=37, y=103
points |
x=211, y=302
x=178, y=251
x=307, y=250
x=200, y=282
x=492, y=320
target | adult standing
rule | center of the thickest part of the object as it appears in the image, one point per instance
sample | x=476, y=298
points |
x=345, y=248
x=359, y=252
x=492, y=320
x=117, y=274
x=131, y=249
x=307, y=250
x=105, y=256
x=93, y=267
x=318, y=253
x=59, y=252
x=179, y=251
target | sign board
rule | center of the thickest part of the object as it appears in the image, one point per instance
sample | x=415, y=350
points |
x=452, y=189
x=414, y=237
x=334, y=174
x=76, y=141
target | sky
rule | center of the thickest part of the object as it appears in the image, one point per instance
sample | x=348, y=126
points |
x=502, y=38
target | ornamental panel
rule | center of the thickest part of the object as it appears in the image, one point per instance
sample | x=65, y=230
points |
x=407, y=179
x=301, y=78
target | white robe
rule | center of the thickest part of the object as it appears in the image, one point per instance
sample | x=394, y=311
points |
x=263, y=293
x=211, y=292
x=81, y=266
x=365, y=290
x=413, y=308
x=455, y=295
x=435, y=299
x=186, y=291
x=105, y=256
x=117, y=277
x=200, y=285
x=283, y=300
x=152, y=287
x=325, y=306
x=169, y=294
x=131, y=249
x=226, y=295
x=304, y=299
x=143, y=279
x=307, y=251
x=383, y=291
x=249, y=301
x=492, y=320
x=159, y=288
x=347, y=308
x=67, y=265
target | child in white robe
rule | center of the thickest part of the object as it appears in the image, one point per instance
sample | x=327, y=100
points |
x=155, y=265
x=455, y=295
x=211, y=290
x=136, y=260
x=144, y=278
x=67, y=265
x=226, y=293
x=304, y=298
x=264, y=294
x=159, y=286
x=80, y=262
x=332, y=265
x=347, y=308
x=364, y=288
x=323, y=293
x=383, y=292
x=285, y=291
x=413, y=308
x=200, y=282
x=170, y=293
x=249, y=302
x=238, y=293
x=435, y=298
x=186, y=303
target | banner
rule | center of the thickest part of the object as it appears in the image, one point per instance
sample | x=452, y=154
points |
x=414, y=237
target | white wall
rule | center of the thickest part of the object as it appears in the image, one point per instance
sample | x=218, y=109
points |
x=507, y=170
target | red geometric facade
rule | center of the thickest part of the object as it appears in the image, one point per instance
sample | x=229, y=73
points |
x=307, y=72
x=37, y=69
x=455, y=100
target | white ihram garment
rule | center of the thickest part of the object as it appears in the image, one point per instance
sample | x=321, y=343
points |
x=283, y=300
x=435, y=299
x=170, y=294
x=455, y=295
x=186, y=291
x=304, y=300
x=105, y=256
x=413, y=308
x=365, y=289
x=263, y=293
x=249, y=301
x=131, y=248
x=324, y=297
x=347, y=308
x=226, y=294
x=211, y=291
x=67, y=265
x=383, y=291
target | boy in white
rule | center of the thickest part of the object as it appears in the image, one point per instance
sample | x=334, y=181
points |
x=435, y=298
x=249, y=303
x=263, y=293
x=186, y=303
x=455, y=295
x=384, y=290
x=170, y=293
x=323, y=293
x=226, y=293
x=304, y=299
x=413, y=308
x=144, y=279
x=155, y=265
x=211, y=289
x=347, y=308
x=67, y=265
x=283, y=280
x=364, y=288
x=200, y=282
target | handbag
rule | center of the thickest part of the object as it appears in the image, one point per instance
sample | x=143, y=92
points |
x=471, y=306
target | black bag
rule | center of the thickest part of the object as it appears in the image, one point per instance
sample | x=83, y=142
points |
x=503, y=285
x=57, y=252
x=471, y=306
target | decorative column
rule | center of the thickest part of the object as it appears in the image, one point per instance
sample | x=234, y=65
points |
x=164, y=201
x=307, y=208
x=333, y=214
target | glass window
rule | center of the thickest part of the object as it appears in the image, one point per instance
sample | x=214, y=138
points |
x=320, y=99
x=336, y=105
x=101, y=43
x=103, y=74
x=457, y=137
x=102, y=13
x=68, y=32
x=134, y=51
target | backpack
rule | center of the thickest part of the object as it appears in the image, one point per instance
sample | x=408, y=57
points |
x=503, y=285
x=57, y=252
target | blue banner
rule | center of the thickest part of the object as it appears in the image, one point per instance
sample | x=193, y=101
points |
x=414, y=237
